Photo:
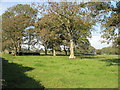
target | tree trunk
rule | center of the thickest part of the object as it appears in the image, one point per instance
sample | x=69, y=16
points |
x=71, y=49
x=71, y=42
x=45, y=50
x=54, y=53
x=28, y=47
x=29, y=40
x=14, y=54
x=19, y=48
x=65, y=50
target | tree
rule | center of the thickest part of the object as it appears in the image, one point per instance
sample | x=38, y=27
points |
x=44, y=38
x=48, y=33
x=112, y=26
x=82, y=46
x=13, y=30
x=73, y=18
x=110, y=50
x=91, y=50
x=98, y=51
x=66, y=45
x=14, y=22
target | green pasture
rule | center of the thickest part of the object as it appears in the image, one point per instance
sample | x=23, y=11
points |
x=99, y=71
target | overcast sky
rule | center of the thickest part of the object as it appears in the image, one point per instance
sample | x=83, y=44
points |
x=96, y=37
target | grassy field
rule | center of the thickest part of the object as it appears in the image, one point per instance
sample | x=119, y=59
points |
x=60, y=72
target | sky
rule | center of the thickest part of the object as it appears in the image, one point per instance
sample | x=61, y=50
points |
x=96, y=36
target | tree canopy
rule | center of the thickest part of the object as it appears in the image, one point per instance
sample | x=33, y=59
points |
x=112, y=25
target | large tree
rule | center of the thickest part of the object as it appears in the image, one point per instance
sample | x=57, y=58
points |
x=14, y=22
x=75, y=19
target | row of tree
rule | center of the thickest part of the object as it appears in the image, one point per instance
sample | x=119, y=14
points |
x=66, y=24
x=108, y=51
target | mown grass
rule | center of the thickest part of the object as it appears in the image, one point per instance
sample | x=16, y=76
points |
x=60, y=72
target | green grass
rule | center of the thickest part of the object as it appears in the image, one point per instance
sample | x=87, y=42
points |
x=60, y=72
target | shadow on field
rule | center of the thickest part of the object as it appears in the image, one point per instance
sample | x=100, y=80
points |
x=112, y=61
x=28, y=54
x=45, y=55
x=52, y=55
x=62, y=55
x=88, y=56
x=14, y=76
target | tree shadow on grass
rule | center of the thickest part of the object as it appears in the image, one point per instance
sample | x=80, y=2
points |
x=52, y=55
x=46, y=55
x=112, y=61
x=14, y=76
x=62, y=55
x=87, y=56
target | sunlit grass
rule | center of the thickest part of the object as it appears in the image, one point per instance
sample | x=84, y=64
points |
x=61, y=72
